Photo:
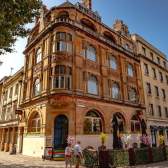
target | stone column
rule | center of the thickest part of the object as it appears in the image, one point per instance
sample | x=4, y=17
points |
x=20, y=140
x=12, y=142
x=6, y=148
x=2, y=139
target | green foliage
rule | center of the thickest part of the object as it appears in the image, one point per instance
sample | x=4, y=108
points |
x=14, y=14
x=158, y=154
x=141, y=156
x=120, y=158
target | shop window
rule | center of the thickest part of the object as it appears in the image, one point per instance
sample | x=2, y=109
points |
x=92, y=123
x=34, y=123
x=93, y=85
x=135, y=124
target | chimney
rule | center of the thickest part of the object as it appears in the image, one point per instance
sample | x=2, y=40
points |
x=87, y=4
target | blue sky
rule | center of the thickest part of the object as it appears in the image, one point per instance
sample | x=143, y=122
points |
x=148, y=18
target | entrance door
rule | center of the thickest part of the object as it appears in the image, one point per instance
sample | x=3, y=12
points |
x=60, y=132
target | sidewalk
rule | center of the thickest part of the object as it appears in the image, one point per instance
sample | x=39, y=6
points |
x=20, y=161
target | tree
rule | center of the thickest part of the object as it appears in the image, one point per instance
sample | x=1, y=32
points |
x=14, y=15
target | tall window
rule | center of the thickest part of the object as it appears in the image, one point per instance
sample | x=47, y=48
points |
x=158, y=60
x=38, y=55
x=148, y=88
x=115, y=91
x=164, y=64
x=161, y=76
x=163, y=94
x=132, y=95
x=151, y=55
x=34, y=123
x=157, y=91
x=37, y=87
x=92, y=123
x=61, y=77
x=154, y=73
x=159, y=111
x=135, y=124
x=151, y=110
x=143, y=51
x=130, y=70
x=166, y=79
x=166, y=112
x=63, y=42
x=91, y=53
x=113, y=62
x=93, y=85
x=146, y=69
x=16, y=89
x=11, y=92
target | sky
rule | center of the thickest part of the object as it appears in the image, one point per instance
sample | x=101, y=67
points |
x=148, y=18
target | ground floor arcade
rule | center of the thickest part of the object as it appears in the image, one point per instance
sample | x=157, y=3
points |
x=48, y=124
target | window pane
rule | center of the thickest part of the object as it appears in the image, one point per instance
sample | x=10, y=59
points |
x=115, y=91
x=113, y=63
x=92, y=85
x=130, y=70
x=91, y=53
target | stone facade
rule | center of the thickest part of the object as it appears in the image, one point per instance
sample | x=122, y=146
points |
x=154, y=67
x=10, y=99
x=72, y=61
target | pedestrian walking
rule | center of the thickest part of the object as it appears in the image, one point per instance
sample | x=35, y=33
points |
x=78, y=154
x=68, y=156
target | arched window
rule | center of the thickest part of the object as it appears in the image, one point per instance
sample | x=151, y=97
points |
x=108, y=36
x=92, y=123
x=93, y=85
x=38, y=56
x=132, y=95
x=115, y=91
x=91, y=53
x=63, y=15
x=113, y=62
x=118, y=122
x=37, y=87
x=34, y=123
x=135, y=124
x=130, y=70
x=63, y=42
x=88, y=25
x=61, y=77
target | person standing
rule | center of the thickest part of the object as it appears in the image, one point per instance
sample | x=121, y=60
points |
x=78, y=154
x=68, y=156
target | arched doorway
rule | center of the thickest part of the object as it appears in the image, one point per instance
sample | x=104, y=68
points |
x=118, y=123
x=60, y=132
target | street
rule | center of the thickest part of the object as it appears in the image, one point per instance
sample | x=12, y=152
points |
x=20, y=161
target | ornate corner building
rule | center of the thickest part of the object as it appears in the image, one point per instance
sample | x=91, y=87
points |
x=80, y=78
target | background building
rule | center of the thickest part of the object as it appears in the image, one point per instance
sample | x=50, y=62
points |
x=10, y=99
x=154, y=67
x=81, y=78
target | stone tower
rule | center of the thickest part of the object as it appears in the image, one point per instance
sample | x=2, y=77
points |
x=87, y=3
